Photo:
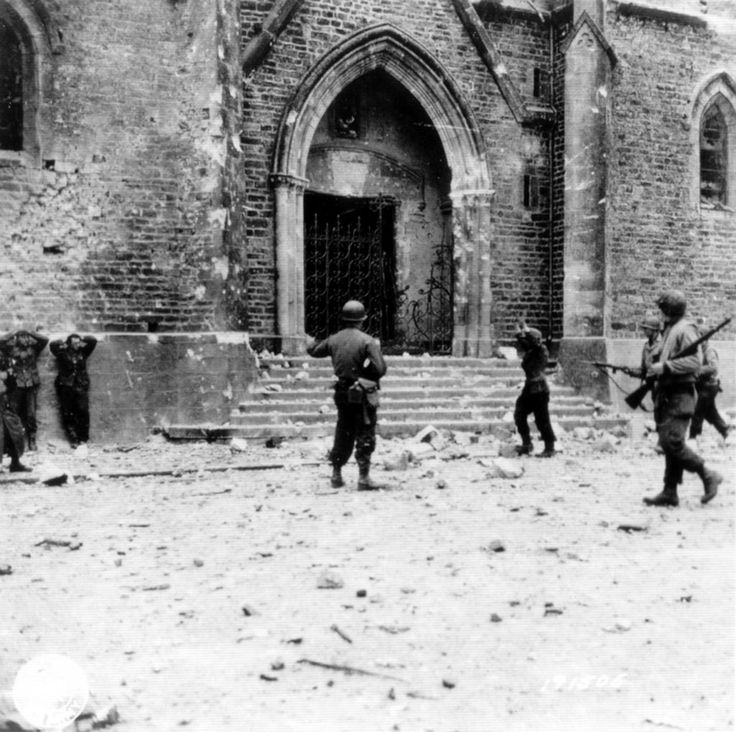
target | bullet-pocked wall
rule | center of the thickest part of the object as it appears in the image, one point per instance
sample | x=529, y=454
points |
x=111, y=211
x=662, y=230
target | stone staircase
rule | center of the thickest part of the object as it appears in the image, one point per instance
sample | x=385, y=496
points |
x=294, y=398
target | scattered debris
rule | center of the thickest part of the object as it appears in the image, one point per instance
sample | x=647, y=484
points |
x=5, y=569
x=449, y=683
x=275, y=441
x=342, y=635
x=347, y=669
x=441, y=484
x=629, y=528
x=329, y=581
x=684, y=598
x=154, y=588
x=248, y=611
x=394, y=629
x=495, y=618
x=550, y=609
x=48, y=543
x=620, y=626
x=198, y=563
x=238, y=444
x=269, y=678
x=277, y=666
x=89, y=720
x=361, y=593
x=495, y=546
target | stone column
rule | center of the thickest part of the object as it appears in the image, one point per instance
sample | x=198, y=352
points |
x=289, y=235
x=589, y=60
x=472, y=334
x=587, y=71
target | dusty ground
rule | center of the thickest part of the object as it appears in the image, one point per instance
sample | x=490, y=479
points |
x=577, y=625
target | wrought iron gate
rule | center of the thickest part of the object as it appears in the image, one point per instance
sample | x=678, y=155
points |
x=349, y=255
x=428, y=319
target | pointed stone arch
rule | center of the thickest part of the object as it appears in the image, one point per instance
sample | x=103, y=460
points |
x=718, y=88
x=387, y=48
x=30, y=23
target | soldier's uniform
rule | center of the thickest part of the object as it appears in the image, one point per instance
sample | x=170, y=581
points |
x=707, y=385
x=72, y=385
x=358, y=365
x=534, y=397
x=674, y=403
x=23, y=348
x=11, y=428
x=653, y=345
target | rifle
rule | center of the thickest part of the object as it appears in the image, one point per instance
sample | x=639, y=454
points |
x=636, y=373
x=636, y=397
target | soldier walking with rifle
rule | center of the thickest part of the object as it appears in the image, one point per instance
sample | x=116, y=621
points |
x=674, y=377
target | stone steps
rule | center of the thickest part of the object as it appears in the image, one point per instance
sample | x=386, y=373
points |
x=294, y=398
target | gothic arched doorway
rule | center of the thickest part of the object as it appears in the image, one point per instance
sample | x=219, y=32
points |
x=463, y=191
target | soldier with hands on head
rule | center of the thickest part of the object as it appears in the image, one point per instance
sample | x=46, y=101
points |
x=72, y=384
x=674, y=402
x=358, y=365
x=23, y=347
x=11, y=428
x=534, y=397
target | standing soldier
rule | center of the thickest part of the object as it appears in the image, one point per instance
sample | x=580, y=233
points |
x=534, y=397
x=650, y=350
x=707, y=386
x=359, y=366
x=674, y=402
x=11, y=428
x=24, y=347
x=72, y=384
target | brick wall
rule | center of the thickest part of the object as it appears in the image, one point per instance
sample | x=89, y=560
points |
x=143, y=381
x=118, y=224
x=520, y=279
x=658, y=238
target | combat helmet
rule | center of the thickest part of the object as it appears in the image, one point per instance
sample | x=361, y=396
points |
x=352, y=312
x=672, y=303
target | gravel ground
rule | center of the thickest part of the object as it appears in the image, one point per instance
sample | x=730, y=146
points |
x=208, y=596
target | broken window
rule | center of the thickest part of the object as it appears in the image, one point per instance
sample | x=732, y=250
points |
x=713, y=156
x=534, y=192
x=11, y=89
x=541, y=84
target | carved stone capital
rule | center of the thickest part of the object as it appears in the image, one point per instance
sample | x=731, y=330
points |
x=286, y=180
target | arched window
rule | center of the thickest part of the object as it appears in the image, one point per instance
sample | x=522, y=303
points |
x=26, y=46
x=714, y=143
x=713, y=156
x=11, y=89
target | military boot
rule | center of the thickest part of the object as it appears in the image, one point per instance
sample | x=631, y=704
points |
x=549, y=450
x=32, y=443
x=668, y=497
x=364, y=480
x=524, y=449
x=336, y=480
x=711, y=481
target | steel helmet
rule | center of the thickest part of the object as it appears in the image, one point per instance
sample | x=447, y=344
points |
x=672, y=303
x=650, y=323
x=353, y=312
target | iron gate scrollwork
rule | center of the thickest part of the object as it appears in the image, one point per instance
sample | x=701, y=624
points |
x=428, y=318
x=349, y=255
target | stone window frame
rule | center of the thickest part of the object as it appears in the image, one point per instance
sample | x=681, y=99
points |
x=31, y=25
x=717, y=89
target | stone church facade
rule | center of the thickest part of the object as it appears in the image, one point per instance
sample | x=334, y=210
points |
x=170, y=168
